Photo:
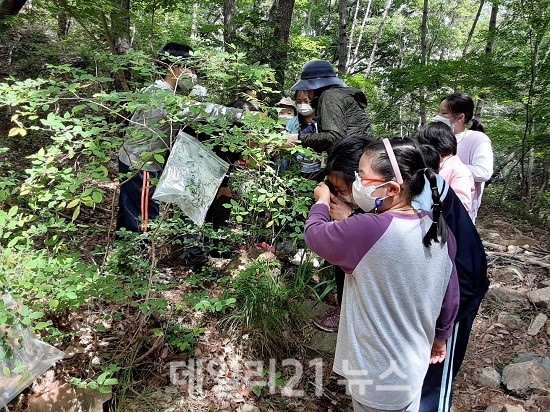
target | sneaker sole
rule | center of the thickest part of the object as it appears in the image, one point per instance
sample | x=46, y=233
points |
x=324, y=328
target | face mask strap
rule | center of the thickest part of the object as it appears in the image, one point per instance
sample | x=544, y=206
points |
x=393, y=161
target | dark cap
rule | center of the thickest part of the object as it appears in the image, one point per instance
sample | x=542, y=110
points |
x=317, y=74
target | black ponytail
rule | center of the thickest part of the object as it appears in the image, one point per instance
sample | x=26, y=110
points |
x=438, y=229
x=476, y=125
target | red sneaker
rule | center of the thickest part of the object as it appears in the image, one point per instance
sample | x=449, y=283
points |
x=329, y=321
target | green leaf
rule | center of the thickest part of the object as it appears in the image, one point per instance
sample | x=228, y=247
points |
x=76, y=213
x=13, y=211
x=42, y=325
x=25, y=310
x=71, y=295
x=73, y=203
x=97, y=197
x=6, y=371
x=36, y=315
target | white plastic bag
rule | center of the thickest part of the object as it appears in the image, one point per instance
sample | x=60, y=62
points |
x=30, y=358
x=191, y=177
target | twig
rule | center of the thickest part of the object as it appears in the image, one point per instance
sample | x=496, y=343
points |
x=496, y=246
x=324, y=391
x=520, y=258
x=151, y=349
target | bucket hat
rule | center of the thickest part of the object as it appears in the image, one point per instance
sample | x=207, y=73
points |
x=285, y=101
x=317, y=74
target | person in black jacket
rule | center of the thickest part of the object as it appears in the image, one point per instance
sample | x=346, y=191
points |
x=340, y=110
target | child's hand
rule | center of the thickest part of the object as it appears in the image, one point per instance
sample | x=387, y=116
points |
x=322, y=193
x=439, y=349
x=339, y=210
x=291, y=139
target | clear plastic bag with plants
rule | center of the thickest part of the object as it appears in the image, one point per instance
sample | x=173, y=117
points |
x=23, y=357
x=191, y=177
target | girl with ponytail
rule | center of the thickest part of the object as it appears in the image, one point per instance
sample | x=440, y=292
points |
x=401, y=291
x=474, y=146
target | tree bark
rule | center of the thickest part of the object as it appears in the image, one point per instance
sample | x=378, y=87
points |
x=471, y=33
x=492, y=28
x=119, y=39
x=378, y=35
x=281, y=20
x=363, y=24
x=351, y=33
x=194, y=26
x=229, y=36
x=62, y=24
x=9, y=8
x=529, y=177
x=343, y=37
x=423, y=58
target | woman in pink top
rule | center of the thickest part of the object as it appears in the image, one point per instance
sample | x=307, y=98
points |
x=474, y=146
x=451, y=168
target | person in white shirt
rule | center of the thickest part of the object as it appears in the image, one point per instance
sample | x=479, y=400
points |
x=474, y=146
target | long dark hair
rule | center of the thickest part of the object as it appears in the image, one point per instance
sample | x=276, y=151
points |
x=459, y=103
x=413, y=171
x=344, y=158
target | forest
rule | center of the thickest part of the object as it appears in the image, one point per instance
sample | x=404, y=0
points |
x=125, y=317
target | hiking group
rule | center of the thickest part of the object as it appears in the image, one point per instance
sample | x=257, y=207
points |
x=396, y=218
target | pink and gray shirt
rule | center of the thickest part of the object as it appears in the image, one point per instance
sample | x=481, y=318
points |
x=398, y=297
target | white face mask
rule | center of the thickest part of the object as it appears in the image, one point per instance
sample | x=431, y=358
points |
x=363, y=195
x=442, y=119
x=305, y=109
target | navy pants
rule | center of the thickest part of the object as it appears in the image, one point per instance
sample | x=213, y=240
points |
x=135, y=204
x=437, y=390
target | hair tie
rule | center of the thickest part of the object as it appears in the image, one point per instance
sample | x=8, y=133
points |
x=393, y=161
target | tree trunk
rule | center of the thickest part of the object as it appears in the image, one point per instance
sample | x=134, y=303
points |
x=343, y=37
x=351, y=33
x=120, y=27
x=529, y=177
x=378, y=35
x=545, y=174
x=471, y=33
x=62, y=24
x=228, y=27
x=194, y=29
x=119, y=38
x=363, y=24
x=281, y=20
x=423, y=58
x=492, y=28
x=9, y=8
x=488, y=50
